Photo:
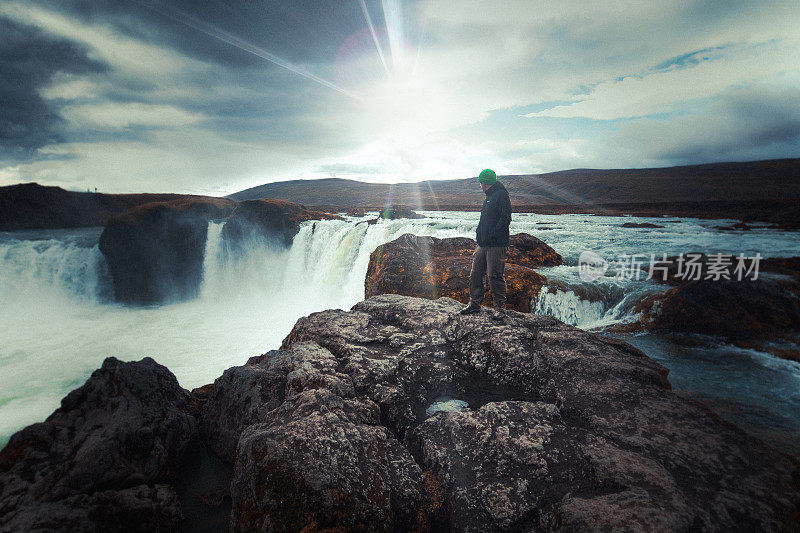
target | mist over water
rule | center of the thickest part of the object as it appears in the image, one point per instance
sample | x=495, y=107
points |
x=58, y=321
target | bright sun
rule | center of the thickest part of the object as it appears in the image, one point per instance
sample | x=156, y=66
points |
x=406, y=108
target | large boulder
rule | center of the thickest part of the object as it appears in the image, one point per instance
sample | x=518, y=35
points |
x=271, y=220
x=104, y=460
x=155, y=251
x=428, y=267
x=731, y=309
x=762, y=313
x=309, y=452
x=563, y=430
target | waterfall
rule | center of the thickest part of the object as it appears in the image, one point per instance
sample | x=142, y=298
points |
x=324, y=267
x=48, y=269
x=212, y=256
x=568, y=307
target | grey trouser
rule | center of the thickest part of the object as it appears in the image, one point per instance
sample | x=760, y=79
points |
x=491, y=261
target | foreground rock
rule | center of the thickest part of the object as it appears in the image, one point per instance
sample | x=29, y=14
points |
x=104, y=460
x=563, y=430
x=321, y=458
x=275, y=220
x=566, y=429
x=428, y=267
x=155, y=251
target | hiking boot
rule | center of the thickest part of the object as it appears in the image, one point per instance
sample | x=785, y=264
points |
x=498, y=315
x=471, y=309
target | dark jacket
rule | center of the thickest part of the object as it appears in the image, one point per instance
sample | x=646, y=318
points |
x=495, y=217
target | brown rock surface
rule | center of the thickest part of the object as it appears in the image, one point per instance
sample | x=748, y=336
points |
x=428, y=267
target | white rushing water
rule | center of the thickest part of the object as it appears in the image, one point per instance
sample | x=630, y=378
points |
x=57, y=323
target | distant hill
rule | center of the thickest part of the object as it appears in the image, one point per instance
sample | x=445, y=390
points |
x=758, y=180
x=753, y=191
x=758, y=190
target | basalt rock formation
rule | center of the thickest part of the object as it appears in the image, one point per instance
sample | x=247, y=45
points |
x=277, y=220
x=732, y=309
x=428, y=267
x=155, y=251
x=563, y=430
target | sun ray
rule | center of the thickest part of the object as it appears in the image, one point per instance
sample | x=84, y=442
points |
x=393, y=14
x=222, y=35
x=374, y=35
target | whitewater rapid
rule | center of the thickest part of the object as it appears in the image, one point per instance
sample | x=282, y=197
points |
x=58, y=322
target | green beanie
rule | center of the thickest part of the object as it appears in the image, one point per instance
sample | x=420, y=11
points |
x=487, y=176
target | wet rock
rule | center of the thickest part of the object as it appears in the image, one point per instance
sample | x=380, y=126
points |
x=268, y=219
x=709, y=298
x=731, y=309
x=392, y=212
x=640, y=225
x=102, y=461
x=739, y=226
x=155, y=251
x=429, y=267
x=567, y=430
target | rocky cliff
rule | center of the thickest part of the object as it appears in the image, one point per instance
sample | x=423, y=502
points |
x=402, y=415
x=155, y=251
x=33, y=206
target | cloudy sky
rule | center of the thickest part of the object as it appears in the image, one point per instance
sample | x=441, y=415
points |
x=216, y=96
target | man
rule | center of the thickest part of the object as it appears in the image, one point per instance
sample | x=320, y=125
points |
x=490, y=254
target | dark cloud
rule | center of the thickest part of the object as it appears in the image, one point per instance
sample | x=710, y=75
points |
x=304, y=31
x=28, y=60
x=742, y=125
